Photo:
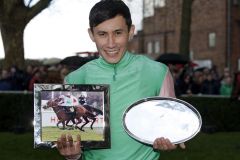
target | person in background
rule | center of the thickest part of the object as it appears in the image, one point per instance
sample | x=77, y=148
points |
x=226, y=86
x=185, y=85
x=17, y=78
x=209, y=85
x=28, y=76
x=63, y=72
x=236, y=87
x=36, y=78
x=5, y=81
x=197, y=81
x=131, y=77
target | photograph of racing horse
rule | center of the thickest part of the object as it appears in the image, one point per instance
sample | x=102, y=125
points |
x=81, y=112
x=57, y=111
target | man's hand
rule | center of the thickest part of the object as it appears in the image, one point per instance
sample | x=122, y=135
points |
x=68, y=148
x=164, y=144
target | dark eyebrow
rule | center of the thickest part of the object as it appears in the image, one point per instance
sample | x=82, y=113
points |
x=101, y=32
x=118, y=30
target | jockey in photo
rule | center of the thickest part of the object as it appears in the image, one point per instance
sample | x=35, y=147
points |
x=68, y=101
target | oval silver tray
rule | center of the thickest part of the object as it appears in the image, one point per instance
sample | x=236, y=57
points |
x=155, y=117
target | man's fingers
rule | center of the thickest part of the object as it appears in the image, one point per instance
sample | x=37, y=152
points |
x=182, y=145
x=78, y=141
x=64, y=140
x=78, y=138
x=70, y=140
x=170, y=144
x=69, y=148
x=163, y=144
x=155, y=144
x=159, y=144
x=59, y=144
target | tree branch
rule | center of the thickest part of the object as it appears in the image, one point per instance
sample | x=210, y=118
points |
x=29, y=3
x=37, y=8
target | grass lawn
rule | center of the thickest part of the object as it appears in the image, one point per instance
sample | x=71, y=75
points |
x=20, y=147
x=219, y=146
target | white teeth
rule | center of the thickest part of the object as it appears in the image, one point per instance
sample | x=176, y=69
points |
x=112, y=52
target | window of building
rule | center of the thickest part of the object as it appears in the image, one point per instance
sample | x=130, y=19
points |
x=159, y=3
x=157, y=47
x=212, y=39
x=149, y=47
x=149, y=5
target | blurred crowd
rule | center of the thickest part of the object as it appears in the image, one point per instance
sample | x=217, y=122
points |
x=188, y=81
x=204, y=80
x=16, y=79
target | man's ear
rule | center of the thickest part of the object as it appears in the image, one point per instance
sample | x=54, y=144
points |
x=131, y=32
x=91, y=34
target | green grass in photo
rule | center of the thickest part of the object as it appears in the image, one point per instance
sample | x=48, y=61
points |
x=53, y=133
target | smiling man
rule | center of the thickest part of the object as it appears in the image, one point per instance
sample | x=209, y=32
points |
x=131, y=77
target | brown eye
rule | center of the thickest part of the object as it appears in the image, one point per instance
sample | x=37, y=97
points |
x=101, y=34
x=118, y=32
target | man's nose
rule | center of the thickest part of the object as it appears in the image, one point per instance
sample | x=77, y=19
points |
x=111, y=41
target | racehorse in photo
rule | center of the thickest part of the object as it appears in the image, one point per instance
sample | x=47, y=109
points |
x=63, y=117
x=80, y=112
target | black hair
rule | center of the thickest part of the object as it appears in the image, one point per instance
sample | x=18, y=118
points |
x=108, y=9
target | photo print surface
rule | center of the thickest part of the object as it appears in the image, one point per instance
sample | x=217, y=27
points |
x=71, y=109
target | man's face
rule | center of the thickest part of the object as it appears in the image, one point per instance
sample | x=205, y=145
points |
x=111, y=38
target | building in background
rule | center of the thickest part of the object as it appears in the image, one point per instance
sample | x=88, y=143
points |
x=215, y=32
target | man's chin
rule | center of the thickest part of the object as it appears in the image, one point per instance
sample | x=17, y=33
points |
x=112, y=60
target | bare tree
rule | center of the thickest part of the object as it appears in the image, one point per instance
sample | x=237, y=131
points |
x=185, y=34
x=14, y=16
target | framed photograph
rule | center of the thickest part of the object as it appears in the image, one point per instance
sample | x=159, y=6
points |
x=71, y=109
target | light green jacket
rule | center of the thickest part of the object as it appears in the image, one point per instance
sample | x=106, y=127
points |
x=133, y=78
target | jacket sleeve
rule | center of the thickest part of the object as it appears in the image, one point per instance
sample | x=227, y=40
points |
x=167, y=89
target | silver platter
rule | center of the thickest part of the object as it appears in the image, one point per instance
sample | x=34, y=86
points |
x=155, y=117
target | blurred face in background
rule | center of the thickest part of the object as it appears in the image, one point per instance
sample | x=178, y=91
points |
x=4, y=74
x=228, y=80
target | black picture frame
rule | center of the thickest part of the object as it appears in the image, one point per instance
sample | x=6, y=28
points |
x=50, y=109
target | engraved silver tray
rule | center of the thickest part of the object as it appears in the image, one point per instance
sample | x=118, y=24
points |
x=155, y=117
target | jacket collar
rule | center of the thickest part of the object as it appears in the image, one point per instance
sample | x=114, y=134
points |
x=125, y=60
